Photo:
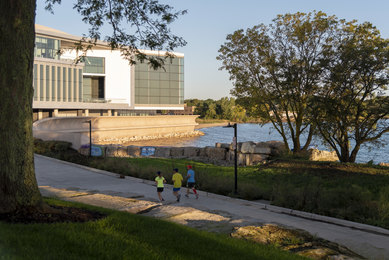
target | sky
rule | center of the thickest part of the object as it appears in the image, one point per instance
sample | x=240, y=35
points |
x=208, y=22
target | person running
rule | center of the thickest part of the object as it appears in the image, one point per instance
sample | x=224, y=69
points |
x=191, y=182
x=160, y=180
x=177, y=182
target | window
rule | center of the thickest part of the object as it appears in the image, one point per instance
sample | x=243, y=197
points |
x=47, y=48
x=161, y=86
x=94, y=65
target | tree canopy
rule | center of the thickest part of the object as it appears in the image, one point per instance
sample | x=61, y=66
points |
x=304, y=72
x=277, y=68
x=351, y=106
x=134, y=24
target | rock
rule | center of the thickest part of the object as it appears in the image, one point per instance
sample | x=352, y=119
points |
x=215, y=153
x=190, y=152
x=163, y=152
x=317, y=155
x=262, y=148
x=177, y=152
x=84, y=151
x=121, y=152
x=384, y=164
x=247, y=147
x=277, y=147
x=241, y=159
x=111, y=151
x=222, y=145
x=203, y=152
x=254, y=159
x=239, y=147
x=133, y=151
x=230, y=156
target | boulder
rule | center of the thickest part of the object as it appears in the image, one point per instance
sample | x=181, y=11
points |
x=121, y=152
x=222, y=145
x=203, y=152
x=133, y=151
x=230, y=156
x=262, y=148
x=190, y=152
x=177, y=152
x=317, y=155
x=254, y=159
x=242, y=159
x=111, y=151
x=277, y=147
x=84, y=151
x=247, y=147
x=163, y=152
x=215, y=153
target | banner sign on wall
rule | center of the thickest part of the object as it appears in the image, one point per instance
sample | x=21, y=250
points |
x=147, y=151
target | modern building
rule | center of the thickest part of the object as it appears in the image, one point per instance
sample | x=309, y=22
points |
x=104, y=84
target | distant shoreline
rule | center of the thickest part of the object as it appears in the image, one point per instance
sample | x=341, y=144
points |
x=206, y=125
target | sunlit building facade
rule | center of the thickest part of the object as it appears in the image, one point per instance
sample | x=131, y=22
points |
x=103, y=84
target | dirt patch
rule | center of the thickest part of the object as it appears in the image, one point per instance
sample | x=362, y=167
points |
x=52, y=214
x=296, y=241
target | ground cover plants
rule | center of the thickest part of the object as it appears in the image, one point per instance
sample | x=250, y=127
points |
x=120, y=235
x=357, y=192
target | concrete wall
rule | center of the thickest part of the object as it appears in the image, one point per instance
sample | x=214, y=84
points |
x=111, y=128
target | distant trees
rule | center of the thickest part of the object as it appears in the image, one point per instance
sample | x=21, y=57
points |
x=224, y=108
x=312, y=73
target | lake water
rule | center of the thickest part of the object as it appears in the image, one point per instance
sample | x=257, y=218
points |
x=256, y=133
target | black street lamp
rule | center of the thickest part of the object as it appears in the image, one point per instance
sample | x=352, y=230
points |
x=90, y=136
x=235, y=146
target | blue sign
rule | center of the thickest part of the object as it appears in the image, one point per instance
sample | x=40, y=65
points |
x=147, y=151
x=96, y=151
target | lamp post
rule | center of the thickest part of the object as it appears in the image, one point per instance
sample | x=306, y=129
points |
x=90, y=136
x=235, y=145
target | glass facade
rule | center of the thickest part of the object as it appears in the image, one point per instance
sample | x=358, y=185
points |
x=47, y=48
x=161, y=86
x=94, y=65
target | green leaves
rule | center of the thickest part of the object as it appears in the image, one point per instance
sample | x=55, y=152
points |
x=307, y=71
x=135, y=24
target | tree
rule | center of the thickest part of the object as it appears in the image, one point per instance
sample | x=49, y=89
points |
x=351, y=107
x=277, y=69
x=150, y=20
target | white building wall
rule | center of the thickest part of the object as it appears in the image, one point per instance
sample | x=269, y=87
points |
x=117, y=74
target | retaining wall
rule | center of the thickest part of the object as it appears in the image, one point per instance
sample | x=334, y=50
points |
x=249, y=153
x=113, y=129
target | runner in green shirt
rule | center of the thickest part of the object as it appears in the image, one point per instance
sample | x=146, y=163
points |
x=159, y=180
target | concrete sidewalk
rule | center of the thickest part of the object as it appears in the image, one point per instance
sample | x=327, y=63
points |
x=105, y=189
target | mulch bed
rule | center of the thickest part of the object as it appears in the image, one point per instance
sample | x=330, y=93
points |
x=58, y=214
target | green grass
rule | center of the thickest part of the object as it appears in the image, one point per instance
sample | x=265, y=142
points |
x=124, y=236
x=357, y=192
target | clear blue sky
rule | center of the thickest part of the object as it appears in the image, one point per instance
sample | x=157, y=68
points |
x=207, y=24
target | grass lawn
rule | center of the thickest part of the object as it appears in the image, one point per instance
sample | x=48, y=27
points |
x=124, y=236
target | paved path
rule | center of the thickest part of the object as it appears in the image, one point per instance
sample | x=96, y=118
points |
x=101, y=188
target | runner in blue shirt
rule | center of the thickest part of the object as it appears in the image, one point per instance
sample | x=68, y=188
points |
x=191, y=182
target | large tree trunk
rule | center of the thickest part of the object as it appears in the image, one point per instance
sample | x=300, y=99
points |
x=18, y=185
